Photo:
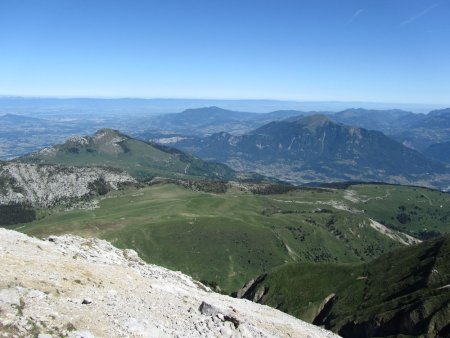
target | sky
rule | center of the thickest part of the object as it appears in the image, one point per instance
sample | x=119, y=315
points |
x=335, y=50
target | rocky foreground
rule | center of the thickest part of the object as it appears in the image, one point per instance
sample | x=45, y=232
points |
x=75, y=287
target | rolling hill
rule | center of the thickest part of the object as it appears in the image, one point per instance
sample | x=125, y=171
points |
x=143, y=160
x=314, y=148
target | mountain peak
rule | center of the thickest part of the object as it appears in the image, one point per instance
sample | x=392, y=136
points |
x=107, y=132
x=313, y=121
x=322, y=118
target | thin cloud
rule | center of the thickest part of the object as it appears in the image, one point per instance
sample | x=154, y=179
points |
x=419, y=15
x=355, y=15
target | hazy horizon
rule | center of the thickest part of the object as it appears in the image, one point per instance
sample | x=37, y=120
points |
x=33, y=104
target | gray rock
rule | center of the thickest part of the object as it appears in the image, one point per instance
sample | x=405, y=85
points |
x=81, y=334
x=208, y=309
x=131, y=255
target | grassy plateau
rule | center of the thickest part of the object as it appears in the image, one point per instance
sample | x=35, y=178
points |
x=230, y=238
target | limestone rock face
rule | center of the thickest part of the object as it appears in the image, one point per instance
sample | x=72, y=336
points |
x=75, y=287
x=46, y=185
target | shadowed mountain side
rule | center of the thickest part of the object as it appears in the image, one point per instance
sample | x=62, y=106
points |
x=405, y=292
x=439, y=151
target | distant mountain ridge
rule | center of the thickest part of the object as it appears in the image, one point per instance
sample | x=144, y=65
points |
x=18, y=118
x=315, y=148
x=209, y=120
x=429, y=129
x=386, y=121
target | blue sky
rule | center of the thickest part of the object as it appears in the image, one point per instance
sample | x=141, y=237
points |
x=377, y=50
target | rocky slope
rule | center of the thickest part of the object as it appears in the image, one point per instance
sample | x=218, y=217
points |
x=46, y=185
x=75, y=287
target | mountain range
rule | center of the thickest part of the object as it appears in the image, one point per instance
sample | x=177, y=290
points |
x=388, y=121
x=315, y=148
x=412, y=129
x=429, y=129
x=21, y=134
x=300, y=149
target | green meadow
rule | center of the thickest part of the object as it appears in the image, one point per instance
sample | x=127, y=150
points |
x=227, y=239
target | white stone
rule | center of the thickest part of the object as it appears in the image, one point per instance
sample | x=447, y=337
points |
x=153, y=302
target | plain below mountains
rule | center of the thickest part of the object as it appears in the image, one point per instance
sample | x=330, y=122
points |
x=143, y=160
x=315, y=148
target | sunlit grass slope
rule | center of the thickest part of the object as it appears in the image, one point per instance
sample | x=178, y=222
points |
x=230, y=238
